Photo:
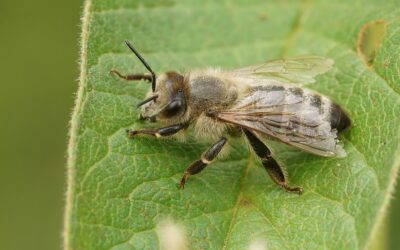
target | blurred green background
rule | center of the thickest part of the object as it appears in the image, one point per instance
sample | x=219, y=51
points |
x=39, y=53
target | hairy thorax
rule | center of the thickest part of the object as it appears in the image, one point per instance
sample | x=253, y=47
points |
x=210, y=90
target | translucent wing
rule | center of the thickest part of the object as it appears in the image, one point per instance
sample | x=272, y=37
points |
x=299, y=70
x=291, y=117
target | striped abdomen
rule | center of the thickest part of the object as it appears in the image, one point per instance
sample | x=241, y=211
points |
x=306, y=105
x=328, y=110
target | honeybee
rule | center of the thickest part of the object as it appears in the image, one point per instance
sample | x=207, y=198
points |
x=260, y=101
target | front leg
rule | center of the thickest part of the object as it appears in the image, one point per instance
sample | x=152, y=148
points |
x=132, y=77
x=161, y=132
x=197, y=166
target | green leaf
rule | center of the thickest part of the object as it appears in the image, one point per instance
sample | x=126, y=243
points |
x=120, y=189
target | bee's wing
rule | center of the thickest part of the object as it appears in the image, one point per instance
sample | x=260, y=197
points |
x=299, y=70
x=275, y=111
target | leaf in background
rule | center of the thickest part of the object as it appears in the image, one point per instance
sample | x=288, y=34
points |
x=119, y=189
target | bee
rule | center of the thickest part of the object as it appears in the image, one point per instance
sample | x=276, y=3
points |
x=263, y=101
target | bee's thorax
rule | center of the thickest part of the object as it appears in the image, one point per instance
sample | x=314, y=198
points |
x=210, y=92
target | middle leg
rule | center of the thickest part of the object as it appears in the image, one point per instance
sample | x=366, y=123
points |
x=197, y=166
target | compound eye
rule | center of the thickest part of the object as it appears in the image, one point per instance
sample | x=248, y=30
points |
x=173, y=108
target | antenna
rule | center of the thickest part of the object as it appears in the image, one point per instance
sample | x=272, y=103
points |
x=151, y=98
x=153, y=75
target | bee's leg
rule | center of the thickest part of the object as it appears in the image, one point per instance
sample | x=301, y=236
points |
x=197, y=166
x=161, y=132
x=132, y=77
x=273, y=169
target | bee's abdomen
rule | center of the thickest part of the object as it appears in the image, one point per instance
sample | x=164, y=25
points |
x=303, y=110
x=338, y=118
x=328, y=110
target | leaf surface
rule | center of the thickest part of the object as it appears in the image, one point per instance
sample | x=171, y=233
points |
x=120, y=189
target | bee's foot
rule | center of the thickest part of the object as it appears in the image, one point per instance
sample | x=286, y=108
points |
x=183, y=180
x=182, y=184
x=116, y=72
x=131, y=133
x=298, y=190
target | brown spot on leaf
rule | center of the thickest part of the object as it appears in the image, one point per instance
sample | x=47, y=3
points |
x=263, y=16
x=369, y=40
x=243, y=202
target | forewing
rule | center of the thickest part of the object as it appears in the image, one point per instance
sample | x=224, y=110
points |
x=300, y=70
x=282, y=113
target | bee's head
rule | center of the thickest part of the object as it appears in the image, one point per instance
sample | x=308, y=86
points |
x=168, y=101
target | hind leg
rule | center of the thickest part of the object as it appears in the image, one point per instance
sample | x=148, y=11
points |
x=273, y=169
